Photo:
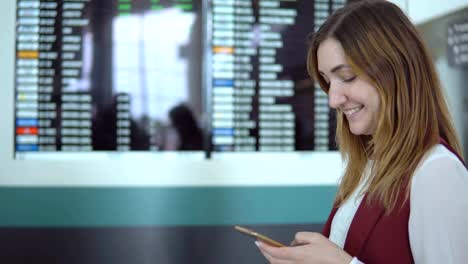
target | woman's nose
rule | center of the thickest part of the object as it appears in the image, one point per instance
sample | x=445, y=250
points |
x=335, y=97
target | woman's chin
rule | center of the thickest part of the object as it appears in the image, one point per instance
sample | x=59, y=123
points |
x=358, y=130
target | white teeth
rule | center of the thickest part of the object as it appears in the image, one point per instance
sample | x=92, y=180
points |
x=353, y=110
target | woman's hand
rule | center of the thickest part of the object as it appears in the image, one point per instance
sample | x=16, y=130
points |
x=307, y=248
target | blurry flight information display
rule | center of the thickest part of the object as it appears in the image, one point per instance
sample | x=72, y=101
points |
x=263, y=98
x=122, y=75
x=107, y=75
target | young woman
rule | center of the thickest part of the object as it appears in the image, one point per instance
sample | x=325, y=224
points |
x=403, y=197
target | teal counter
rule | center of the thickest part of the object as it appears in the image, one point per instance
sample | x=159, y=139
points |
x=175, y=206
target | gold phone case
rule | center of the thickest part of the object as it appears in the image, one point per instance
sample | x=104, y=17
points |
x=260, y=237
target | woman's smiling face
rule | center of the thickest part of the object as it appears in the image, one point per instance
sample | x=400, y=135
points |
x=348, y=93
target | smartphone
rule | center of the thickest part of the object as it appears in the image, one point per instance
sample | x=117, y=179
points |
x=258, y=236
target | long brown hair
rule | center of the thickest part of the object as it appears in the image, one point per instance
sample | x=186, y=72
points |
x=384, y=48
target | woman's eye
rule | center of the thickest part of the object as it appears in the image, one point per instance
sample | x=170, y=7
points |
x=350, y=79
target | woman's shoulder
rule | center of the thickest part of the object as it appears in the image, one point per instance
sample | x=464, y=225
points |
x=440, y=168
x=439, y=154
x=439, y=208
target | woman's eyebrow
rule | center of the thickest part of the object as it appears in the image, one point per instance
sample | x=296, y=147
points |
x=339, y=67
x=336, y=68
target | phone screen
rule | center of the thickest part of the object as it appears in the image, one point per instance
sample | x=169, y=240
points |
x=259, y=236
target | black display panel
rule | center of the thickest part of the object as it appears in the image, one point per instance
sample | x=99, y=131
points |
x=110, y=75
x=262, y=96
x=122, y=75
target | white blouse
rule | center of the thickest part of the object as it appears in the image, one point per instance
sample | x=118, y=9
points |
x=438, y=222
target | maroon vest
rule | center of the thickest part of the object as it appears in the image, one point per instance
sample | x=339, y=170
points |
x=376, y=237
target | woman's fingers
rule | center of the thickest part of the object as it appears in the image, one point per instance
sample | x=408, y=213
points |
x=293, y=243
x=308, y=248
x=273, y=260
x=277, y=253
x=302, y=238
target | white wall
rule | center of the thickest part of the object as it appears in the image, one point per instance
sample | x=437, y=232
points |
x=420, y=11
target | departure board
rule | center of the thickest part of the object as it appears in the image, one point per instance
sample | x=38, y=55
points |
x=262, y=96
x=159, y=75
x=107, y=75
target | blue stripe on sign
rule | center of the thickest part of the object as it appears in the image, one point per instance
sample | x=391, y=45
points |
x=223, y=82
x=26, y=122
x=223, y=131
x=27, y=147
